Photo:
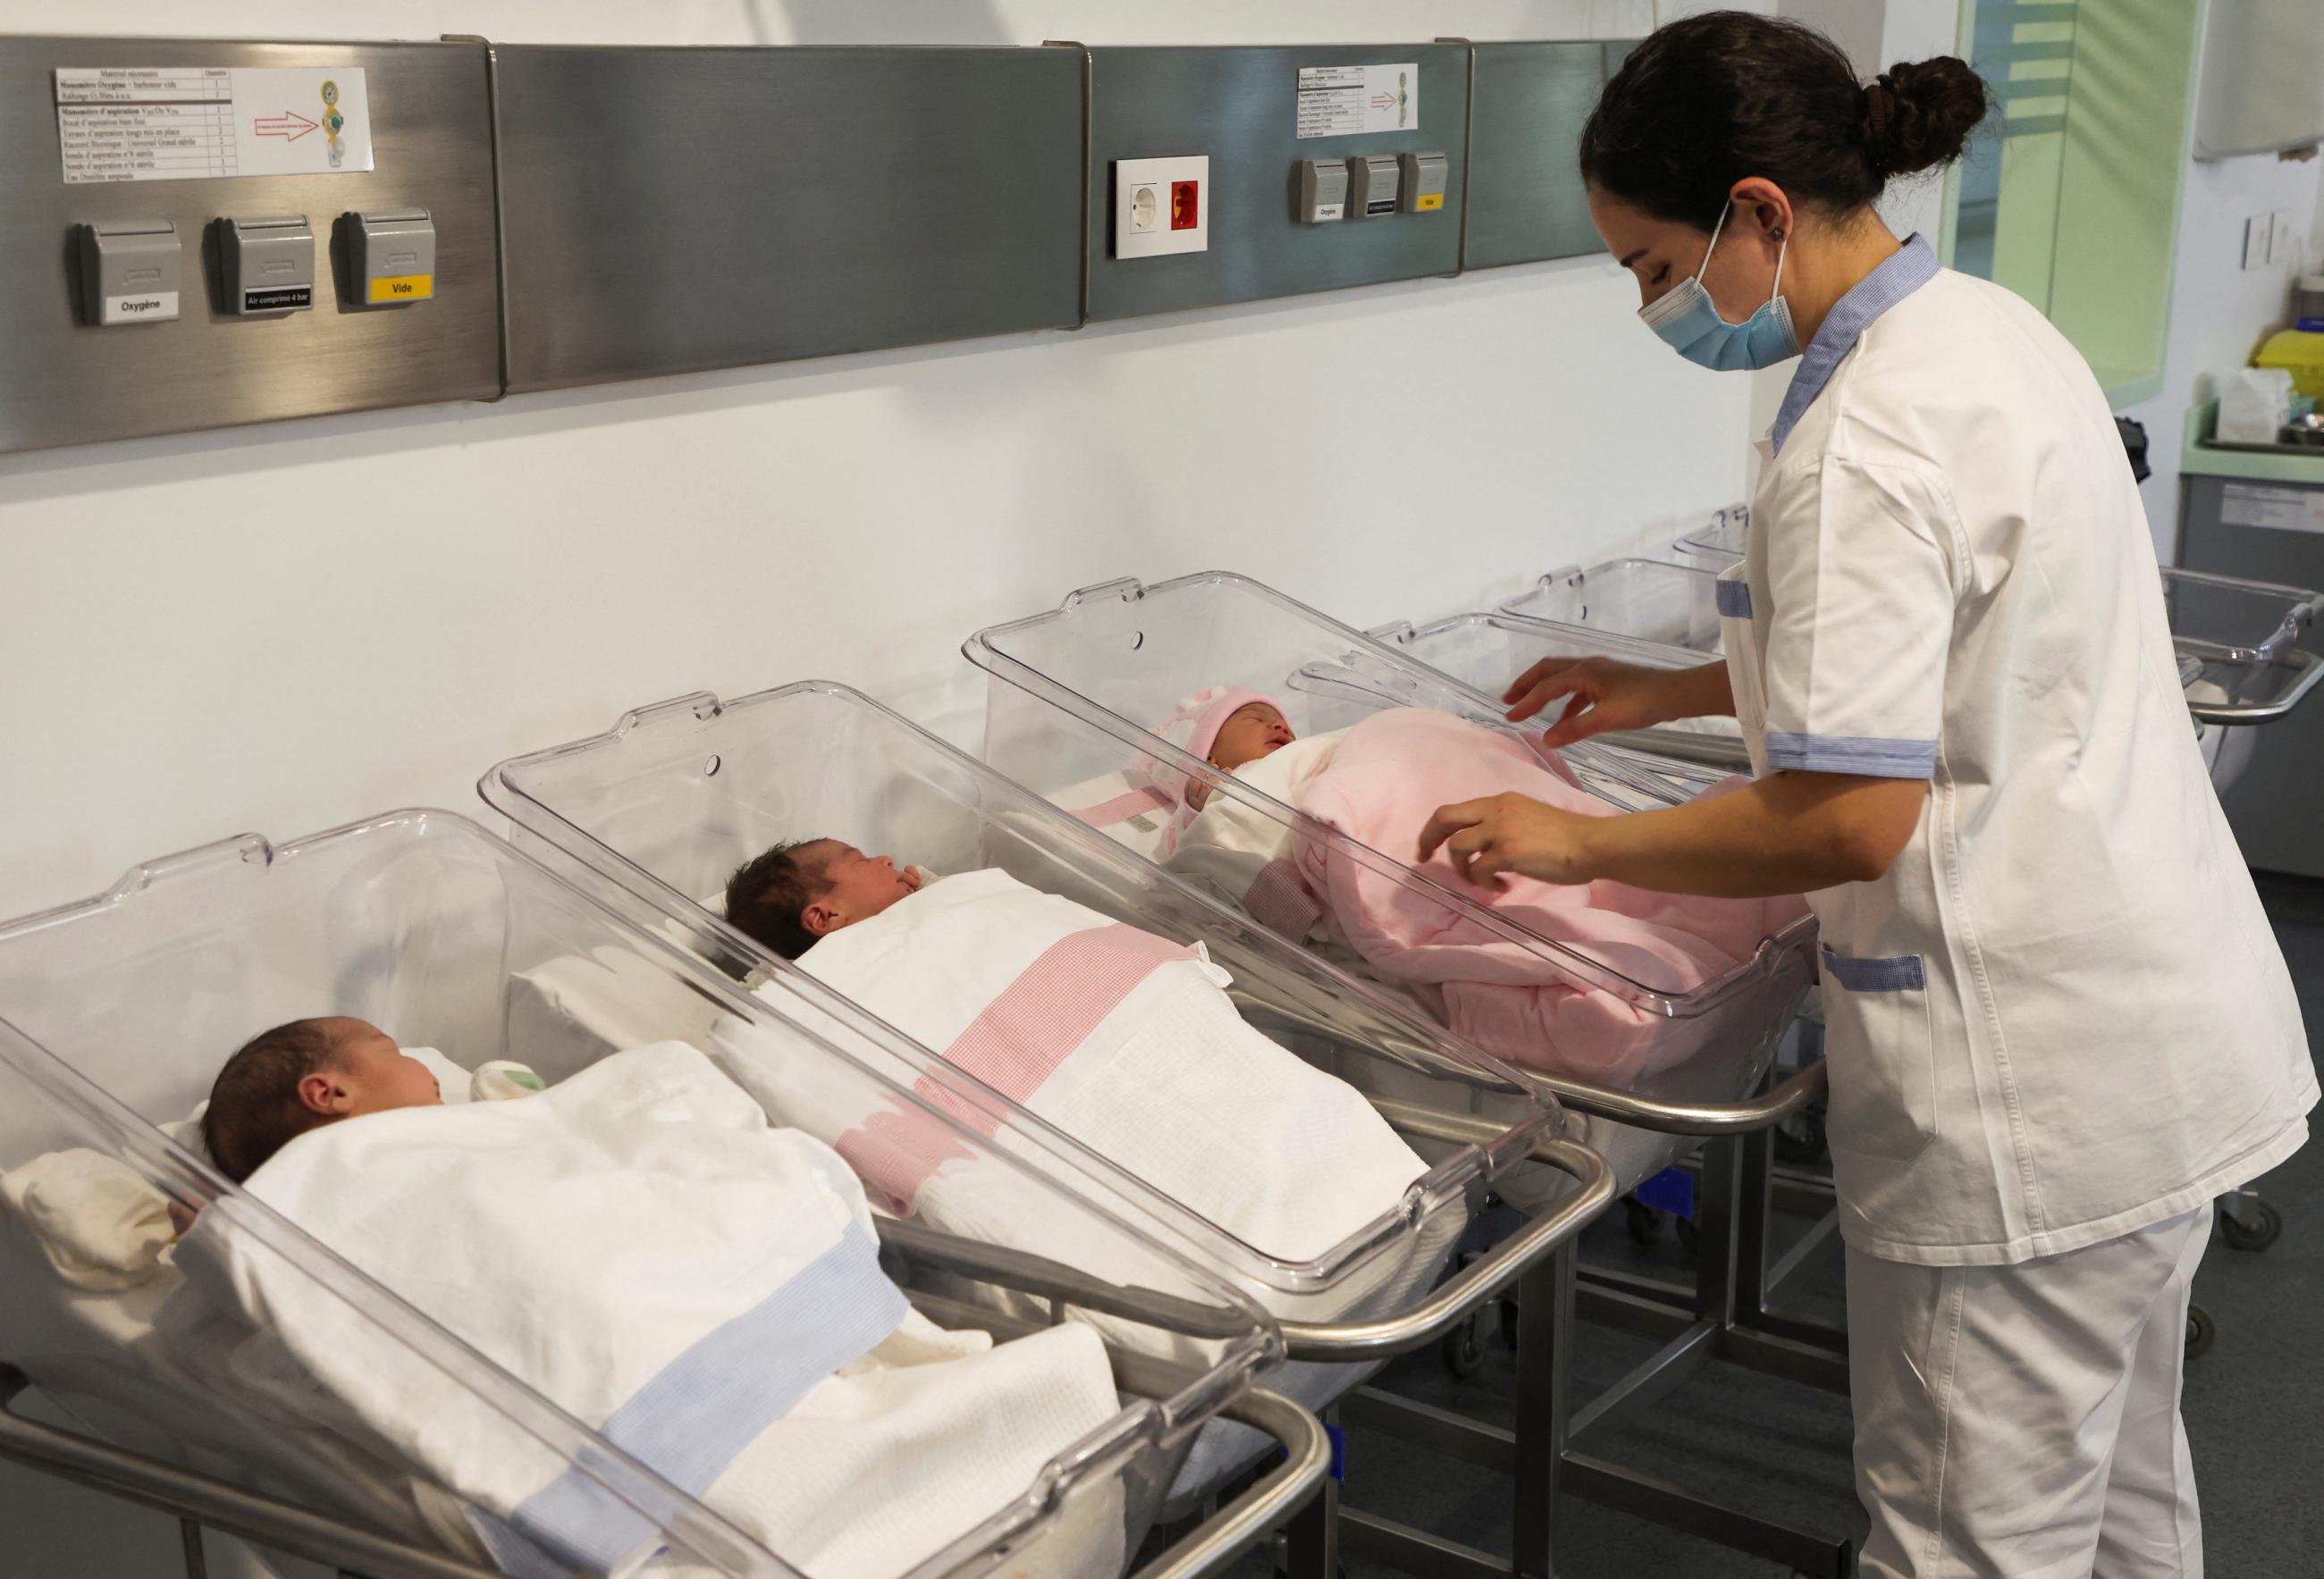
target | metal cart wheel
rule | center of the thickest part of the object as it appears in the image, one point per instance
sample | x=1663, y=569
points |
x=1462, y=1354
x=1800, y=1141
x=2202, y=1331
x=1645, y=1224
x=2264, y=1228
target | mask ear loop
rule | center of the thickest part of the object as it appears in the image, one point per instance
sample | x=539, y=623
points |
x=1716, y=226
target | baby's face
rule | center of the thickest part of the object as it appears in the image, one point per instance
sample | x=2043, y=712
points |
x=370, y=1074
x=1251, y=732
x=859, y=886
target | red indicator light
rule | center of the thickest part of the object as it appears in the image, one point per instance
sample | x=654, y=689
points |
x=1185, y=205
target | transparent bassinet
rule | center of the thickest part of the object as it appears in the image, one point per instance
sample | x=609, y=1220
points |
x=1073, y=692
x=116, y=1013
x=1650, y=599
x=2237, y=641
x=668, y=803
x=1719, y=542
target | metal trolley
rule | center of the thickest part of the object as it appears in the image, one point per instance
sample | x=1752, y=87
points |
x=1070, y=690
x=663, y=806
x=114, y=1013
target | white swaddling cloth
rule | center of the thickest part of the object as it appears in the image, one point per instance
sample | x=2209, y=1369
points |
x=641, y=1247
x=1242, y=854
x=1128, y=1043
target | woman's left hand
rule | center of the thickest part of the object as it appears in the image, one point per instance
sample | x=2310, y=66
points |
x=1511, y=833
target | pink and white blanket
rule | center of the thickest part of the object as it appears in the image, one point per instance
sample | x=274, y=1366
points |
x=1377, y=784
x=1128, y=1043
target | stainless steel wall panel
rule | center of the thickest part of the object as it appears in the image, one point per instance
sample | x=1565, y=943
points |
x=62, y=381
x=1525, y=196
x=672, y=209
x=1239, y=106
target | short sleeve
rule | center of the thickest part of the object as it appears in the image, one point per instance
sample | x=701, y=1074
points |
x=1862, y=597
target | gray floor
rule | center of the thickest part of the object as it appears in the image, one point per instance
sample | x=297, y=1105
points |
x=2254, y=1405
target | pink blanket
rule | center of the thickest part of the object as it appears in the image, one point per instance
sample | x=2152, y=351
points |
x=1385, y=778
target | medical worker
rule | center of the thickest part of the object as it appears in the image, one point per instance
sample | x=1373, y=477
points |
x=2059, y=1024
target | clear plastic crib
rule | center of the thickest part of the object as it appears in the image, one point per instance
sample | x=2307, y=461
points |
x=1072, y=690
x=115, y=1016
x=670, y=802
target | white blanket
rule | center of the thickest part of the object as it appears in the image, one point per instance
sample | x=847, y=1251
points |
x=1242, y=854
x=641, y=1247
x=1128, y=1043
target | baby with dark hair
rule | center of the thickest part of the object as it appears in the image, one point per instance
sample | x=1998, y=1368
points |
x=792, y=894
x=302, y=1075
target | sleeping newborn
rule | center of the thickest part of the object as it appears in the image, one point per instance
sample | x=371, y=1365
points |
x=1125, y=1041
x=1375, y=784
x=303, y=1075
x=1227, y=727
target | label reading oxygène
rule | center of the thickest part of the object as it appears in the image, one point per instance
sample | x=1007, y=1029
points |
x=141, y=307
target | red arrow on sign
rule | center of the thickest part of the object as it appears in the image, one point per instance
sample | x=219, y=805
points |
x=281, y=126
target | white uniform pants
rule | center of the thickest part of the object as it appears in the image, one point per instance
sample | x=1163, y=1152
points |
x=2022, y=1421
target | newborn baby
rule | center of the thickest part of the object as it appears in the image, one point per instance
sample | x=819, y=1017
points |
x=1227, y=727
x=300, y=1076
x=788, y=896
x=1126, y=1040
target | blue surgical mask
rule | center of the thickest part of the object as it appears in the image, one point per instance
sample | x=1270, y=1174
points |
x=1689, y=323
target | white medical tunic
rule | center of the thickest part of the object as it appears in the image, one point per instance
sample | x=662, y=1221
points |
x=2062, y=1016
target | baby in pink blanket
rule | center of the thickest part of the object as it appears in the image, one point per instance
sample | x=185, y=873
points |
x=1576, y=1009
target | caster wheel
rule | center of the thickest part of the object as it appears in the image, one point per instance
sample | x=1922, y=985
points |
x=2202, y=1331
x=2266, y=1226
x=1645, y=1224
x=1799, y=1141
x=1463, y=1354
x=1689, y=1235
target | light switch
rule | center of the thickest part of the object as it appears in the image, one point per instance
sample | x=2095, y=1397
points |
x=2257, y=229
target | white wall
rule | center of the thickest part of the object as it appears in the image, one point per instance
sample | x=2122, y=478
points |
x=281, y=628
x=2220, y=312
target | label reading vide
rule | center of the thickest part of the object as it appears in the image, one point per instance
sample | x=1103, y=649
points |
x=197, y=123
x=1343, y=101
x=145, y=307
x=2280, y=509
x=280, y=299
x=403, y=288
x=1428, y=200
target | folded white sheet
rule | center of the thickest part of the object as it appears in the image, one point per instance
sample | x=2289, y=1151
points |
x=640, y=1246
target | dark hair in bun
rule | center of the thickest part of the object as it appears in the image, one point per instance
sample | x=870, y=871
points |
x=1705, y=102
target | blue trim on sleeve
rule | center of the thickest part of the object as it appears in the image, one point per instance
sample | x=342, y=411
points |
x=1870, y=755
x=1901, y=273
x=1904, y=973
x=1734, y=599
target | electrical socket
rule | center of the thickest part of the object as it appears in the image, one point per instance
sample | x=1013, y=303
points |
x=1161, y=205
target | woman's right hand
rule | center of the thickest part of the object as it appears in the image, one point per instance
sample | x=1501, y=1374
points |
x=1606, y=694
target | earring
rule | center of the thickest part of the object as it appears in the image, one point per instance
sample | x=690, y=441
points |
x=1777, y=233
